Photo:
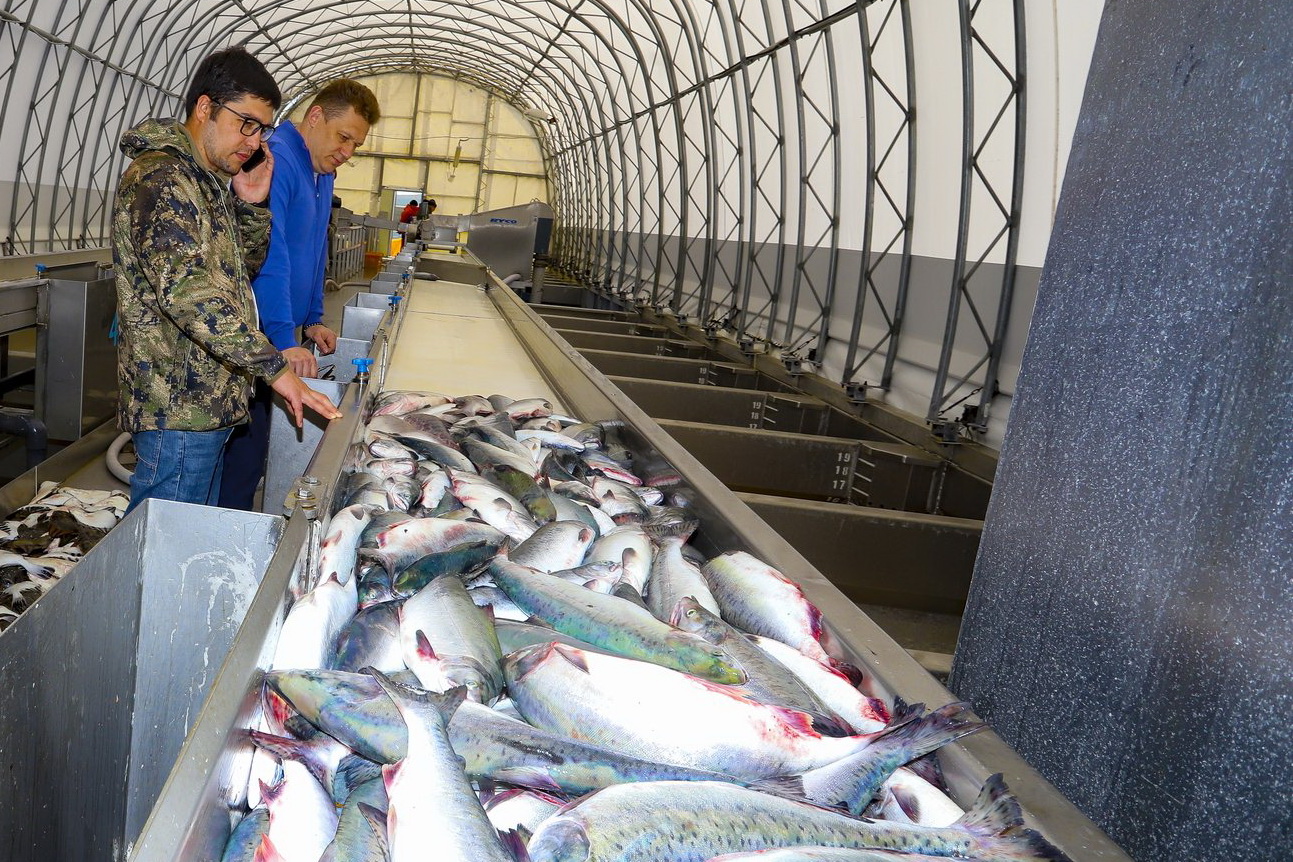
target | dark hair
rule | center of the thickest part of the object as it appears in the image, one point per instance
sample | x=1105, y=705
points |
x=227, y=76
x=431, y=203
x=412, y=203
x=344, y=93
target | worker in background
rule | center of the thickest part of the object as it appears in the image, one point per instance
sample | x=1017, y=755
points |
x=410, y=211
x=289, y=286
x=189, y=229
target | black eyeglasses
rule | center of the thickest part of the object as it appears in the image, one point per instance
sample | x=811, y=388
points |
x=250, y=125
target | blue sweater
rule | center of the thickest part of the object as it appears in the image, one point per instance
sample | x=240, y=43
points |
x=289, y=286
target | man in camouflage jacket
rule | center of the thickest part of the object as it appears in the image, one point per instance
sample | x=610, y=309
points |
x=189, y=230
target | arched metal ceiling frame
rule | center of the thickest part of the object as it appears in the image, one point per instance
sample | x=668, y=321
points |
x=221, y=37
x=986, y=339
x=627, y=79
x=868, y=290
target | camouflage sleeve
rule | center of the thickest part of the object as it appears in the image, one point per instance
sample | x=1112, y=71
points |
x=253, y=224
x=194, y=271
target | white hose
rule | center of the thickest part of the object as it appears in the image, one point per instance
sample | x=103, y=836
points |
x=113, y=458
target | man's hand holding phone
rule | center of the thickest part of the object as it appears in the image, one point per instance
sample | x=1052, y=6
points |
x=252, y=182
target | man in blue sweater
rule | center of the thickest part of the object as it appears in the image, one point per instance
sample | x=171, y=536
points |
x=289, y=286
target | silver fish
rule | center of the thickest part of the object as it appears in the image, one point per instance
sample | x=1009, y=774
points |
x=370, y=639
x=457, y=647
x=769, y=680
x=673, y=576
x=696, y=821
x=554, y=546
x=618, y=500
x=402, y=544
x=431, y=802
x=850, y=783
x=863, y=712
x=345, y=531
x=656, y=713
x=629, y=546
x=761, y=600
x=529, y=408
x=612, y=623
x=356, y=839
x=397, y=402
x=301, y=813
x=551, y=439
x=494, y=506
x=483, y=454
x=246, y=838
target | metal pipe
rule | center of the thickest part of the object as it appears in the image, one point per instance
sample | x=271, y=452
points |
x=30, y=429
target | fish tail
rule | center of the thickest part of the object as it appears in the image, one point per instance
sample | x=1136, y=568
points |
x=997, y=823
x=445, y=703
x=514, y=843
x=941, y=726
x=671, y=524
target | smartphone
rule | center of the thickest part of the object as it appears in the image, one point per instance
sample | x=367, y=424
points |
x=256, y=158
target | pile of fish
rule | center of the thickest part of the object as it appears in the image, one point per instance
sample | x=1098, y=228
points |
x=43, y=540
x=510, y=650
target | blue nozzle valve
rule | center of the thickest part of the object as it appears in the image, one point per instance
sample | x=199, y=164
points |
x=395, y=301
x=362, y=365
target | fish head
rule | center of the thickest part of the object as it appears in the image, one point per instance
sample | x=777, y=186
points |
x=705, y=660
x=690, y=616
x=560, y=839
x=466, y=671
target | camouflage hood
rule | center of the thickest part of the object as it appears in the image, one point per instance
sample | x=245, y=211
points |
x=157, y=133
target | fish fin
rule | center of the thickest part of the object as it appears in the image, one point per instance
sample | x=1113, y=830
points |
x=540, y=621
x=785, y=786
x=671, y=524
x=997, y=822
x=931, y=732
x=276, y=708
x=445, y=702
x=376, y=820
x=266, y=851
x=424, y=648
x=927, y=768
x=514, y=841
x=487, y=790
x=855, y=676
x=832, y=726
x=531, y=777
x=796, y=719
x=282, y=747
x=572, y=655
x=995, y=811
x=268, y=793
x=352, y=771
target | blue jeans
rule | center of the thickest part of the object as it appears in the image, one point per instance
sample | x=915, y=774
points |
x=178, y=465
